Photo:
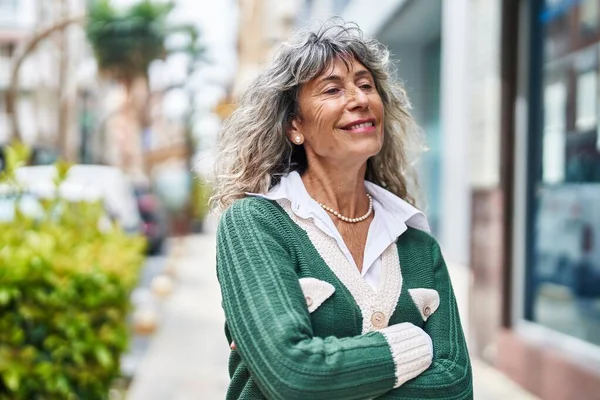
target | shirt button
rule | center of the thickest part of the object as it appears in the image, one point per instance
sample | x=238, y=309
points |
x=378, y=319
x=427, y=311
x=309, y=301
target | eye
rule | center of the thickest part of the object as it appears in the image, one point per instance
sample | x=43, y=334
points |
x=366, y=86
x=333, y=90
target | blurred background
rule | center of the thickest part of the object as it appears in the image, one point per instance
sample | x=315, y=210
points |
x=107, y=276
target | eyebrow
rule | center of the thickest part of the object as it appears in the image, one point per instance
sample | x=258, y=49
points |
x=358, y=74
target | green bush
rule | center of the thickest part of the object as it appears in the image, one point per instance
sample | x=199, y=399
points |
x=64, y=300
x=201, y=192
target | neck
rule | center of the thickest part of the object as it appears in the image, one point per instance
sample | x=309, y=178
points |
x=342, y=189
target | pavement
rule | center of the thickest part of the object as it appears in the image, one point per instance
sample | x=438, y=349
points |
x=187, y=355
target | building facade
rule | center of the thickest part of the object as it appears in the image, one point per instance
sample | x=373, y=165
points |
x=50, y=72
x=552, y=273
x=264, y=24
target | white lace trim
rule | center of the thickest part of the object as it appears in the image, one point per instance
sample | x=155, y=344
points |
x=370, y=302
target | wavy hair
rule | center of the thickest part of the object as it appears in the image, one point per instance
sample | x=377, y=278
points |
x=253, y=150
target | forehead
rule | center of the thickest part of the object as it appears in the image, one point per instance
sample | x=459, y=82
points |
x=340, y=67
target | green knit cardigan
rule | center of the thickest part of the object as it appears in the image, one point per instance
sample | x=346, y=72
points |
x=285, y=352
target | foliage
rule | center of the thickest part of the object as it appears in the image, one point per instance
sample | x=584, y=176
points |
x=15, y=156
x=201, y=192
x=65, y=282
x=126, y=42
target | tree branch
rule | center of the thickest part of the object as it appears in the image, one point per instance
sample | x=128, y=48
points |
x=22, y=52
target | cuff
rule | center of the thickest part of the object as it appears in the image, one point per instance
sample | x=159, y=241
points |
x=412, y=350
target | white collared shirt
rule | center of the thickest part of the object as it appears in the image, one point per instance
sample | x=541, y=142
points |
x=391, y=217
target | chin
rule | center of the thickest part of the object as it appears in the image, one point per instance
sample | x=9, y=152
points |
x=365, y=152
x=370, y=146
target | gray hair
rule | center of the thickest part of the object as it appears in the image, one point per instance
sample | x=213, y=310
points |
x=253, y=150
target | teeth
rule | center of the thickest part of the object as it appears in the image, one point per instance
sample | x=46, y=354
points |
x=363, y=125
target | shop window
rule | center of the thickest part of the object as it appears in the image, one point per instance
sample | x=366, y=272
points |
x=563, y=279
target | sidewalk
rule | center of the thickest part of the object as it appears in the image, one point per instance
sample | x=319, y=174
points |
x=187, y=358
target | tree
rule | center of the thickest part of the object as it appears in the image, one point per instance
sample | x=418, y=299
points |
x=126, y=42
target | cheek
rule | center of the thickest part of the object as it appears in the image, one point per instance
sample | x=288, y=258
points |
x=318, y=117
x=321, y=124
x=377, y=106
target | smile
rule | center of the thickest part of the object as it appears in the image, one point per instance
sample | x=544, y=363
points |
x=360, y=126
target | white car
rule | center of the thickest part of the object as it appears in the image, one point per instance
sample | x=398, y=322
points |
x=26, y=203
x=87, y=182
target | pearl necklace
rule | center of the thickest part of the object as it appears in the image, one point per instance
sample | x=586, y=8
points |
x=350, y=220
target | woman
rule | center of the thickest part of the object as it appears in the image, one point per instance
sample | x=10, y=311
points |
x=332, y=286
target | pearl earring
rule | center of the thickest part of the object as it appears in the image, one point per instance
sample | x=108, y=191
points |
x=298, y=139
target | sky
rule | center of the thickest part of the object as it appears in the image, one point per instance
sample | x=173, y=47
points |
x=218, y=21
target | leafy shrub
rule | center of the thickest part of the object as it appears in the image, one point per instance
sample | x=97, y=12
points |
x=65, y=282
x=201, y=192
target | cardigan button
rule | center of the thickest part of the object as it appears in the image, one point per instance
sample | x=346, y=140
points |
x=427, y=311
x=309, y=301
x=378, y=319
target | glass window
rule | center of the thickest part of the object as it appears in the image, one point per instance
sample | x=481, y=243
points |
x=563, y=291
x=8, y=5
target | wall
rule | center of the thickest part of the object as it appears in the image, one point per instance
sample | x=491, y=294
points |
x=487, y=248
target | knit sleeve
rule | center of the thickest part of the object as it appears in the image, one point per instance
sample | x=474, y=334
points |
x=268, y=319
x=449, y=376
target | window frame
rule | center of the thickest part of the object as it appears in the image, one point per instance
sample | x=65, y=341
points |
x=528, y=159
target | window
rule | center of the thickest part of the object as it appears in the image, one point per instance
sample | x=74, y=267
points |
x=8, y=5
x=563, y=261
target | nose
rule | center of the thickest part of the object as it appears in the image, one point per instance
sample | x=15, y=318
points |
x=358, y=99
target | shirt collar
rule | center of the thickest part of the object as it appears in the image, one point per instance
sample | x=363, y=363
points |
x=398, y=213
x=399, y=210
x=291, y=188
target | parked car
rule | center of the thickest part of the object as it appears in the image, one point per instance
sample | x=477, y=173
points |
x=154, y=219
x=31, y=205
x=40, y=155
x=88, y=182
x=27, y=203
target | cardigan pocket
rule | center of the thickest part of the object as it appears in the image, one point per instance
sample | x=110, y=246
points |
x=315, y=292
x=426, y=300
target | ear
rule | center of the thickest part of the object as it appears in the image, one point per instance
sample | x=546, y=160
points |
x=294, y=129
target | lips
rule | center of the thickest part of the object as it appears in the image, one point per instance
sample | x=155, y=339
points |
x=364, y=125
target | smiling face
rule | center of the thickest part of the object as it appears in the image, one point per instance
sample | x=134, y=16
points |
x=341, y=115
